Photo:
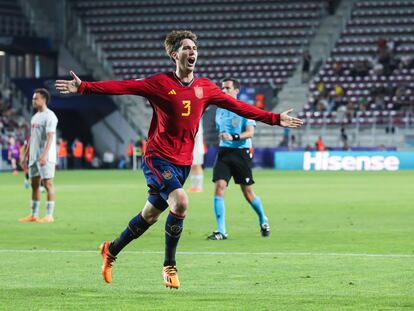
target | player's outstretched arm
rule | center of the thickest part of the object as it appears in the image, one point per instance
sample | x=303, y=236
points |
x=288, y=121
x=225, y=101
x=68, y=86
x=111, y=87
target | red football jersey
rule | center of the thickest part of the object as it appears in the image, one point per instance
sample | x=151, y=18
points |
x=177, y=110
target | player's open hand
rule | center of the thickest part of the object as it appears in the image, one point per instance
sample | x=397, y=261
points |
x=43, y=160
x=68, y=86
x=288, y=121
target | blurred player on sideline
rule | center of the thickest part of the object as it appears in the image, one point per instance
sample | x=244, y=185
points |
x=234, y=159
x=178, y=99
x=23, y=163
x=42, y=156
x=196, y=172
x=13, y=154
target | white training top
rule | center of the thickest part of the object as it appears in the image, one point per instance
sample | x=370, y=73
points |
x=199, y=140
x=41, y=124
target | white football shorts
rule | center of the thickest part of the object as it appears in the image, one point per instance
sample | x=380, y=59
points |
x=46, y=171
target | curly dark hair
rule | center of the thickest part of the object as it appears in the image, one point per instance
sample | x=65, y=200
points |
x=173, y=40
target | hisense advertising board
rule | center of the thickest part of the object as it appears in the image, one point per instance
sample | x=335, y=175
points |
x=345, y=161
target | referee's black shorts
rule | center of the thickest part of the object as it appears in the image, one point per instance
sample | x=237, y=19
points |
x=234, y=162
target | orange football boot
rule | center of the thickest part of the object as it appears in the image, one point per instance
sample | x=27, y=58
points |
x=46, y=219
x=195, y=190
x=107, y=261
x=169, y=273
x=30, y=218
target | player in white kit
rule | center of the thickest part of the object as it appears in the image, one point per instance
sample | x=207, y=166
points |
x=42, y=156
x=198, y=160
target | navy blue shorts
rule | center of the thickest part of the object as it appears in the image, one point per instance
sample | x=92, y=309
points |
x=163, y=178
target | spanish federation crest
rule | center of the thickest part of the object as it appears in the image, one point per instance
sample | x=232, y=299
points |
x=199, y=92
x=167, y=174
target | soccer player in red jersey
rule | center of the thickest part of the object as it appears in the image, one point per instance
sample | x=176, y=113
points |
x=178, y=99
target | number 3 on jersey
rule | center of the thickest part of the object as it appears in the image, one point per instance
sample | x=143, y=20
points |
x=187, y=105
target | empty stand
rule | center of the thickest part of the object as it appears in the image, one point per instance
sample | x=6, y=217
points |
x=259, y=42
x=12, y=20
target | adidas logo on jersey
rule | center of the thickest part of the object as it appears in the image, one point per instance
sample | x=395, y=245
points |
x=172, y=92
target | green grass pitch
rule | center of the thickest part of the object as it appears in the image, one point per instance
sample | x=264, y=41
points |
x=340, y=241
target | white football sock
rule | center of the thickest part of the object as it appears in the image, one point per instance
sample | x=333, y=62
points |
x=197, y=181
x=35, y=208
x=50, y=207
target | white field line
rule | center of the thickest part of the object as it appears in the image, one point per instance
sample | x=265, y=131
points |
x=282, y=254
x=86, y=186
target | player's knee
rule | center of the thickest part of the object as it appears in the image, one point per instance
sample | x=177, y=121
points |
x=35, y=185
x=150, y=213
x=181, y=204
x=220, y=187
x=150, y=216
x=48, y=184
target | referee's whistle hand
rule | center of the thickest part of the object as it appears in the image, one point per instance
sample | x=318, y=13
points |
x=225, y=136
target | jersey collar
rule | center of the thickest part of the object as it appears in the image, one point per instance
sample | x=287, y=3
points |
x=181, y=83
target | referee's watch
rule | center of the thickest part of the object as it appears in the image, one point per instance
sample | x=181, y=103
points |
x=235, y=136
